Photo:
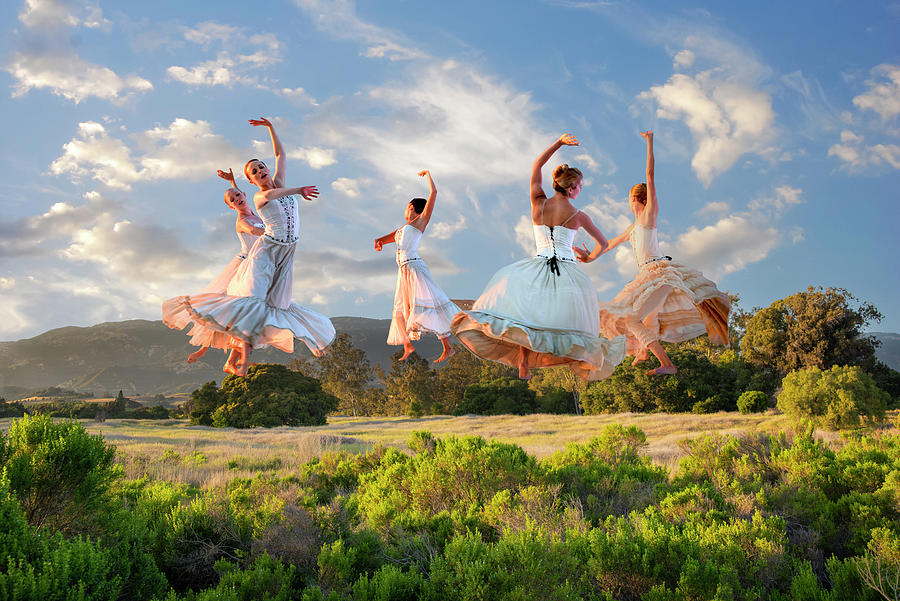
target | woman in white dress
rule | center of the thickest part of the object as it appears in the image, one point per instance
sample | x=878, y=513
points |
x=248, y=227
x=666, y=300
x=256, y=308
x=542, y=311
x=419, y=304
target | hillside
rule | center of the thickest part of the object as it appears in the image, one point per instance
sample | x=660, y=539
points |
x=145, y=357
x=889, y=351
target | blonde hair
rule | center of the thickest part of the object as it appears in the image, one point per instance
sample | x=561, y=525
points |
x=639, y=191
x=564, y=177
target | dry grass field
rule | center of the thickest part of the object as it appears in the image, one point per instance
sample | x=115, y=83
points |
x=202, y=456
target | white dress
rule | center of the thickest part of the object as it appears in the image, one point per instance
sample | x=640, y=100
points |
x=666, y=300
x=544, y=303
x=256, y=306
x=419, y=304
x=176, y=316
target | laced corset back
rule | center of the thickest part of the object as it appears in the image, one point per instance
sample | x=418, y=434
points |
x=281, y=219
x=645, y=244
x=554, y=243
x=407, y=239
x=247, y=239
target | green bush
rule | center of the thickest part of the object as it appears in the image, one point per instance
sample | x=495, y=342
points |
x=832, y=399
x=269, y=395
x=59, y=473
x=752, y=401
x=497, y=398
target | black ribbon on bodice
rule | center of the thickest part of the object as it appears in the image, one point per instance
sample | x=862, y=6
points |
x=553, y=262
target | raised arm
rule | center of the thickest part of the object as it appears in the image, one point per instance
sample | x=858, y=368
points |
x=280, y=158
x=537, y=192
x=386, y=239
x=228, y=176
x=423, y=219
x=264, y=196
x=652, y=209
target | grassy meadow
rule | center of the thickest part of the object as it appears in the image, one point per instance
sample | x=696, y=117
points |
x=206, y=457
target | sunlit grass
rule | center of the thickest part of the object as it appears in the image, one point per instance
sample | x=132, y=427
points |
x=174, y=450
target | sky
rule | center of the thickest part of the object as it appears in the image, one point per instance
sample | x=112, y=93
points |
x=777, y=129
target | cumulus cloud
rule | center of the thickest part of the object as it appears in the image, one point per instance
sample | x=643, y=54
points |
x=339, y=18
x=62, y=13
x=728, y=245
x=162, y=151
x=346, y=186
x=883, y=93
x=856, y=156
x=297, y=95
x=783, y=197
x=315, y=157
x=444, y=230
x=714, y=207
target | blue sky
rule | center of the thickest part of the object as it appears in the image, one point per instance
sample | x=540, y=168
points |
x=777, y=142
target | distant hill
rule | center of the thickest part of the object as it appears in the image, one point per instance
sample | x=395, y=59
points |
x=145, y=357
x=889, y=351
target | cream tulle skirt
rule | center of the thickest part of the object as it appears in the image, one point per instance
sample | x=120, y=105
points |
x=672, y=302
x=255, y=306
x=419, y=305
x=525, y=305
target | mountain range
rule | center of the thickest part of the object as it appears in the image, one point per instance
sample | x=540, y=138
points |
x=142, y=357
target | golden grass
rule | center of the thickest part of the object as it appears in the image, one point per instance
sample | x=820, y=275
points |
x=142, y=445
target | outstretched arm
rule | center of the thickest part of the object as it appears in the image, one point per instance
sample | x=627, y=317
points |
x=386, y=239
x=537, y=191
x=652, y=204
x=228, y=176
x=423, y=219
x=280, y=158
x=244, y=226
x=264, y=196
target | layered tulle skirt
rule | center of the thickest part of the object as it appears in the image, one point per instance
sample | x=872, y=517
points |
x=419, y=305
x=673, y=303
x=525, y=305
x=255, y=307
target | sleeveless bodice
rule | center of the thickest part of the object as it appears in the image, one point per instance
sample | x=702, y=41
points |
x=281, y=219
x=554, y=242
x=247, y=239
x=645, y=244
x=407, y=239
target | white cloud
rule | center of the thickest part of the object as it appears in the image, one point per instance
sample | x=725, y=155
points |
x=315, y=157
x=856, y=156
x=797, y=235
x=346, y=186
x=683, y=59
x=726, y=246
x=71, y=77
x=783, y=197
x=444, y=230
x=714, y=207
x=163, y=153
x=339, y=18
x=882, y=96
x=62, y=13
x=297, y=95
x=525, y=234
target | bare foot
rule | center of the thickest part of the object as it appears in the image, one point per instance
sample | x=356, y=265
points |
x=448, y=352
x=641, y=357
x=228, y=368
x=407, y=351
x=663, y=370
x=197, y=354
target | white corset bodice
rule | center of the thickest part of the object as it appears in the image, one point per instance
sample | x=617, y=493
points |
x=644, y=243
x=281, y=219
x=407, y=239
x=554, y=242
x=247, y=239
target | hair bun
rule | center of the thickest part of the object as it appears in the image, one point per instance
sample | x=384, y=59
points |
x=560, y=170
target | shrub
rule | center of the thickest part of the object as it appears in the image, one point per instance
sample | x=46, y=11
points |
x=832, y=399
x=752, y=401
x=59, y=473
x=497, y=398
x=269, y=395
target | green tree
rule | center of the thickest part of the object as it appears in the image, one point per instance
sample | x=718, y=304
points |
x=411, y=386
x=816, y=328
x=832, y=399
x=269, y=395
x=346, y=373
x=752, y=401
x=499, y=397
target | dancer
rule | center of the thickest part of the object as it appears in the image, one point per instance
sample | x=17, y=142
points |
x=666, y=300
x=247, y=227
x=419, y=305
x=256, y=307
x=541, y=311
